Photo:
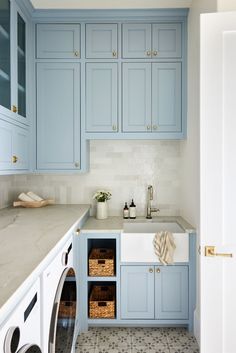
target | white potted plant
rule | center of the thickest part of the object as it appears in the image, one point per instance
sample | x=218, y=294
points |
x=102, y=196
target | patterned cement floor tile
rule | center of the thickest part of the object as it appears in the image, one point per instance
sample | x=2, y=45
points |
x=149, y=332
x=185, y=350
x=157, y=349
x=107, y=349
x=151, y=341
x=181, y=341
x=86, y=349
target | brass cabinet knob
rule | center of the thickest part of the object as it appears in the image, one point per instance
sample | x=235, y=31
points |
x=154, y=53
x=77, y=164
x=14, y=109
x=148, y=127
x=148, y=53
x=77, y=232
x=14, y=159
x=158, y=270
x=114, y=127
x=151, y=270
x=76, y=53
x=114, y=54
x=155, y=127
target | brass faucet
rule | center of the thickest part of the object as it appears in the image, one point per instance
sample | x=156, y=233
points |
x=150, y=209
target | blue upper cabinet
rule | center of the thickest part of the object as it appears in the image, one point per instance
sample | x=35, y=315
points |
x=171, y=292
x=58, y=41
x=166, y=97
x=101, y=41
x=137, y=292
x=136, y=97
x=101, y=97
x=58, y=116
x=166, y=40
x=152, y=40
x=136, y=39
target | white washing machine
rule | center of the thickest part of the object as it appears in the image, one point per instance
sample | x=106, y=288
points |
x=21, y=332
x=59, y=303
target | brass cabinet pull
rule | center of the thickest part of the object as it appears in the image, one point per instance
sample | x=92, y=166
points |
x=154, y=53
x=148, y=127
x=114, y=127
x=114, y=54
x=151, y=270
x=77, y=164
x=14, y=159
x=155, y=127
x=14, y=109
x=148, y=53
x=77, y=232
x=76, y=53
x=158, y=270
x=210, y=252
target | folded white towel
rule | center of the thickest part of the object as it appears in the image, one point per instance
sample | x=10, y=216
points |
x=164, y=247
x=34, y=196
x=24, y=197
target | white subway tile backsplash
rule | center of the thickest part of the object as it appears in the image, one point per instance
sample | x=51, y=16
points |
x=124, y=167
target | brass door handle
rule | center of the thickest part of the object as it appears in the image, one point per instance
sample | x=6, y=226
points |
x=14, y=159
x=77, y=232
x=14, y=109
x=76, y=53
x=151, y=270
x=114, y=53
x=114, y=127
x=210, y=252
x=154, y=53
x=158, y=270
x=148, y=53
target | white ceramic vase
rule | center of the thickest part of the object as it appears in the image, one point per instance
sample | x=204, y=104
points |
x=102, y=210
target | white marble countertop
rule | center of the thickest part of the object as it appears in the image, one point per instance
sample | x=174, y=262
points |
x=27, y=236
x=115, y=224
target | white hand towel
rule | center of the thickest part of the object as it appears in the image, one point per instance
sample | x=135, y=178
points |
x=34, y=196
x=24, y=197
x=164, y=247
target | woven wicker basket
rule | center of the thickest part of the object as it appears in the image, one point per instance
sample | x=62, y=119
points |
x=102, y=302
x=102, y=263
x=67, y=309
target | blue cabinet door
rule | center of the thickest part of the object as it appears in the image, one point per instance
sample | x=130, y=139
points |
x=166, y=40
x=101, y=97
x=136, y=97
x=6, y=145
x=171, y=292
x=58, y=116
x=136, y=40
x=101, y=41
x=20, y=149
x=166, y=97
x=58, y=41
x=137, y=292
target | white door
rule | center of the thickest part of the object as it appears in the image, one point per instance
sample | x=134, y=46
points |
x=218, y=182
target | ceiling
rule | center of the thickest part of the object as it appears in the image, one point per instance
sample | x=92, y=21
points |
x=109, y=4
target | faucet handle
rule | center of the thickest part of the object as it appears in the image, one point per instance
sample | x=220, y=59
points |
x=150, y=190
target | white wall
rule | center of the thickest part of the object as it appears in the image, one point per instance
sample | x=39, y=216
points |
x=190, y=148
x=124, y=167
x=226, y=5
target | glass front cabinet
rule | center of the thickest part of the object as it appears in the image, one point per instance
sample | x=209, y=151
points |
x=13, y=56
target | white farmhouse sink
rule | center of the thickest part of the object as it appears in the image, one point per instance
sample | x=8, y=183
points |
x=142, y=226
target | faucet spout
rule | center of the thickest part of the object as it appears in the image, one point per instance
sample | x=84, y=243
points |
x=150, y=209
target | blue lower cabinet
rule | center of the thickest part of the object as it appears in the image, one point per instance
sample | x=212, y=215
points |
x=171, y=292
x=137, y=292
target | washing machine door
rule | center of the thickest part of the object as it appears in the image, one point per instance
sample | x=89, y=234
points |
x=63, y=316
x=12, y=340
x=30, y=348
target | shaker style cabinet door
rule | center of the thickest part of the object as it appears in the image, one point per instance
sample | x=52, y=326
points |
x=101, y=97
x=171, y=292
x=166, y=40
x=136, y=97
x=166, y=97
x=101, y=41
x=58, y=41
x=58, y=116
x=136, y=40
x=137, y=292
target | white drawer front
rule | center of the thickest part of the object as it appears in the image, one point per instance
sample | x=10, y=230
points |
x=139, y=247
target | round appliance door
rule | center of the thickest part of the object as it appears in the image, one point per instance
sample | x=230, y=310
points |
x=12, y=340
x=63, y=316
x=30, y=348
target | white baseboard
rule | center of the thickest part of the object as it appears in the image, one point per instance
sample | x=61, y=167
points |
x=197, y=326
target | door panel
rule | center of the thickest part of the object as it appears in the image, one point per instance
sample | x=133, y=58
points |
x=58, y=116
x=166, y=40
x=137, y=292
x=58, y=41
x=136, y=97
x=101, y=97
x=6, y=145
x=21, y=148
x=136, y=40
x=166, y=97
x=101, y=41
x=171, y=292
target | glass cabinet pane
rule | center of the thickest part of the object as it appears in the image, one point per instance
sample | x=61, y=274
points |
x=5, y=72
x=21, y=61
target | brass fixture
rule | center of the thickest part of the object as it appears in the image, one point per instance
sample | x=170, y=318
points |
x=14, y=159
x=210, y=252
